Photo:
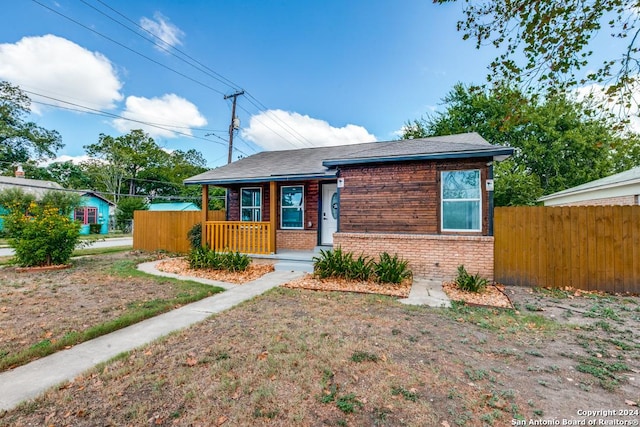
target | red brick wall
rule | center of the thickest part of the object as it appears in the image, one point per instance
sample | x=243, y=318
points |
x=296, y=239
x=433, y=256
x=401, y=197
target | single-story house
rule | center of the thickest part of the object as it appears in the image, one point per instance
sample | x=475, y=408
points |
x=620, y=189
x=429, y=200
x=94, y=208
x=173, y=206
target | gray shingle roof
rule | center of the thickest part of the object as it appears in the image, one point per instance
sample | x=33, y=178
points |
x=35, y=187
x=309, y=163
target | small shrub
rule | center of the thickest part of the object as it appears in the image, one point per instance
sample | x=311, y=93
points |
x=332, y=263
x=360, y=269
x=391, y=269
x=95, y=228
x=202, y=258
x=469, y=283
x=194, y=235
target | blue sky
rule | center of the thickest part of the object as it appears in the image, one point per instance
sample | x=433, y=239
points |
x=315, y=73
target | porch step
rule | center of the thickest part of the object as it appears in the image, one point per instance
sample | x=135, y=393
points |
x=294, y=265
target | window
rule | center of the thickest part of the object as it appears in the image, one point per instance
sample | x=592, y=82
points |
x=461, y=201
x=292, y=207
x=251, y=204
x=86, y=215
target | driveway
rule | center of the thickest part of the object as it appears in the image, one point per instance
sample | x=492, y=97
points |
x=106, y=243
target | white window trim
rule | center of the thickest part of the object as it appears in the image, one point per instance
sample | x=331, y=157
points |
x=250, y=207
x=479, y=200
x=282, y=207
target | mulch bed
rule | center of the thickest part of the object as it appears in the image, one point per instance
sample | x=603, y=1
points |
x=369, y=287
x=181, y=266
x=492, y=296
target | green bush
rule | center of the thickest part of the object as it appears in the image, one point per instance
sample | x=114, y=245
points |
x=391, y=269
x=95, y=228
x=125, y=209
x=469, y=283
x=203, y=258
x=194, y=235
x=332, y=263
x=42, y=236
x=336, y=263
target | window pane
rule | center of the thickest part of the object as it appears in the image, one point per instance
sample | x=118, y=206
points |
x=92, y=214
x=292, y=218
x=291, y=196
x=461, y=185
x=250, y=214
x=78, y=215
x=250, y=197
x=461, y=215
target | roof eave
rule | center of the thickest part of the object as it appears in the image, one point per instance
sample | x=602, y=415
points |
x=498, y=154
x=277, y=178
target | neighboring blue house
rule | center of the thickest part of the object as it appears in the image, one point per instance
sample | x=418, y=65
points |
x=95, y=209
x=177, y=206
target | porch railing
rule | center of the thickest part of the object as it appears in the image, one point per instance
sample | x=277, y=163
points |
x=239, y=236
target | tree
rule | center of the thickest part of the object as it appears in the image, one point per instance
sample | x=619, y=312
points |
x=124, y=211
x=67, y=174
x=554, y=38
x=21, y=140
x=126, y=155
x=559, y=143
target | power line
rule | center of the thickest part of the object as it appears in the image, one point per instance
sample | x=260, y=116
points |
x=212, y=73
x=128, y=48
x=83, y=109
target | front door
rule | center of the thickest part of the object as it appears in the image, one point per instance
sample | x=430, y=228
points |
x=329, y=223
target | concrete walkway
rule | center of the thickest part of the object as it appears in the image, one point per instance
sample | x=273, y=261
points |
x=29, y=381
x=427, y=292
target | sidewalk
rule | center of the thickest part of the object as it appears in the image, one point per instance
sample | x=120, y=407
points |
x=31, y=380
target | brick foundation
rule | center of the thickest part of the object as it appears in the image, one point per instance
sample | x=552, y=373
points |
x=433, y=256
x=296, y=239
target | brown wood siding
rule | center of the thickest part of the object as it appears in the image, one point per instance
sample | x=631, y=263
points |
x=586, y=247
x=400, y=197
x=311, y=189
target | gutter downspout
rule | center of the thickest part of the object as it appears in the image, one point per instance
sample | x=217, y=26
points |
x=490, y=197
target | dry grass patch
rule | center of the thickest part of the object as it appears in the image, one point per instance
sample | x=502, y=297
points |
x=294, y=357
x=42, y=312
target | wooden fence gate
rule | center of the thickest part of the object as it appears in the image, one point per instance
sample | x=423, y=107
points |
x=585, y=247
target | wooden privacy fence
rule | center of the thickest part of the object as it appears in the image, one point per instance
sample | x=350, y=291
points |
x=585, y=247
x=167, y=230
x=239, y=236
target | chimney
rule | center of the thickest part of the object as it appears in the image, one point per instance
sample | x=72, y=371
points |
x=19, y=172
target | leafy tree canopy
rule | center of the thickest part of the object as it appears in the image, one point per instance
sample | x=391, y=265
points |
x=559, y=143
x=21, y=140
x=548, y=42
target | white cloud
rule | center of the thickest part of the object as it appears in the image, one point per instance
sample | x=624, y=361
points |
x=163, y=29
x=171, y=112
x=284, y=130
x=59, y=68
x=597, y=95
x=76, y=160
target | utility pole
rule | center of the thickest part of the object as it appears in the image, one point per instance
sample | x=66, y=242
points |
x=234, y=123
